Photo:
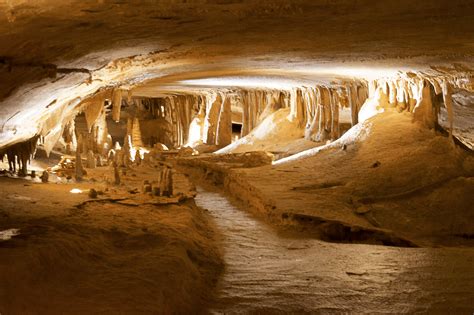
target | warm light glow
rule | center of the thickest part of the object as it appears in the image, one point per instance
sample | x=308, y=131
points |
x=5, y=235
x=195, y=132
x=270, y=82
x=348, y=71
x=75, y=191
x=142, y=152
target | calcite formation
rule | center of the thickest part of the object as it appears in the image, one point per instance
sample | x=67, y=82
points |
x=345, y=117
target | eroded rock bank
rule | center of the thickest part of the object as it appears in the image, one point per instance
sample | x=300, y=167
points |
x=386, y=181
x=120, y=250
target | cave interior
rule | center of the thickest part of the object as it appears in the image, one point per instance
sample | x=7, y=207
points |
x=168, y=157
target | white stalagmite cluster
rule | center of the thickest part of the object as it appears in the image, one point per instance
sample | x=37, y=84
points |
x=421, y=95
x=259, y=104
x=322, y=106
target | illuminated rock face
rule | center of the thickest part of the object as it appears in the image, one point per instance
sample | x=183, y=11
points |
x=200, y=57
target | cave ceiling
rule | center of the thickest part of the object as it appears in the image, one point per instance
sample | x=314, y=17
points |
x=53, y=54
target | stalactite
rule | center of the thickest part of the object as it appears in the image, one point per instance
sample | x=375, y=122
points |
x=334, y=115
x=101, y=133
x=402, y=95
x=353, y=103
x=328, y=116
x=171, y=118
x=52, y=137
x=136, y=133
x=93, y=108
x=21, y=153
x=423, y=110
x=116, y=104
x=224, y=127
x=413, y=96
x=448, y=103
x=252, y=103
x=187, y=107
x=69, y=136
x=312, y=130
x=392, y=94
x=436, y=86
x=324, y=113
x=245, y=114
x=310, y=96
x=270, y=102
x=213, y=108
x=372, y=87
x=196, y=127
x=297, y=111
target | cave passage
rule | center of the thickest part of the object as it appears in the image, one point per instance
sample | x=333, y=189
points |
x=334, y=140
x=264, y=265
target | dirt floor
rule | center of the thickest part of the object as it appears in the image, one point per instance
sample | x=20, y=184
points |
x=406, y=187
x=123, y=252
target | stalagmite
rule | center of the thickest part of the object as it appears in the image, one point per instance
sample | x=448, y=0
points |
x=271, y=104
x=375, y=104
x=20, y=153
x=170, y=182
x=166, y=181
x=146, y=187
x=78, y=166
x=138, y=158
x=224, y=127
x=126, y=151
x=11, y=160
x=45, y=177
x=69, y=136
x=91, y=161
x=116, y=173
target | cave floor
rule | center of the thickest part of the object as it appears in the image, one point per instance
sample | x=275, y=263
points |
x=118, y=253
x=270, y=271
x=75, y=256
